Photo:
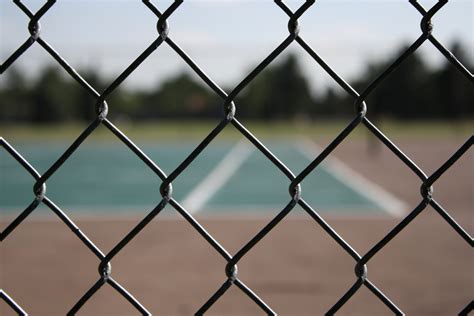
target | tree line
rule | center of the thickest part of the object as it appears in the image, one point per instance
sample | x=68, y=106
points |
x=280, y=92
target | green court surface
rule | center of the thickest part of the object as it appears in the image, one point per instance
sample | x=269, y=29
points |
x=227, y=178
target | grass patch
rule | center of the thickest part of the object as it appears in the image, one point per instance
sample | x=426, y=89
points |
x=195, y=130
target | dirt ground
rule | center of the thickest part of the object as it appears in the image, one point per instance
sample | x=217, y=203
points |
x=297, y=269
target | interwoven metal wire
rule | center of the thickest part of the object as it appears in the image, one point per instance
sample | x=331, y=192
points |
x=229, y=118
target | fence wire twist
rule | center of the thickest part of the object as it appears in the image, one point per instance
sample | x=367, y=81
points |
x=229, y=117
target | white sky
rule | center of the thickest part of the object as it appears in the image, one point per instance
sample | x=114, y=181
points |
x=228, y=37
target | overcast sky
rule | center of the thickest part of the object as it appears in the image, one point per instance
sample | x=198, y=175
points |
x=227, y=37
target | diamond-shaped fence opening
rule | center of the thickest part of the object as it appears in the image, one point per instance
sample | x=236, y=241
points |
x=122, y=28
x=297, y=200
x=198, y=42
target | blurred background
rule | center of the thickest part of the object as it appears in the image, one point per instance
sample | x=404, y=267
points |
x=424, y=107
x=358, y=41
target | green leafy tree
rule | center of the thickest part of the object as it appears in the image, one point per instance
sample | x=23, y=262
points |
x=279, y=92
x=454, y=93
x=84, y=104
x=182, y=97
x=404, y=93
x=15, y=100
x=52, y=97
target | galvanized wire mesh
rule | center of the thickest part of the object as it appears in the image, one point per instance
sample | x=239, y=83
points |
x=229, y=119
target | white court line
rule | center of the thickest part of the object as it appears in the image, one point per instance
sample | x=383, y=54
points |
x=375, y=193
x=198, y=197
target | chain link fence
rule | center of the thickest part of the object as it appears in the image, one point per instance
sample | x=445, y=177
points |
x=230, y=120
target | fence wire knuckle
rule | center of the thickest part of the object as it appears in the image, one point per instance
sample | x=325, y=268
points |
x=230, y=115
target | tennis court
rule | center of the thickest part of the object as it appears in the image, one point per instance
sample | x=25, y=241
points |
x=297, y=269
x=228, y=178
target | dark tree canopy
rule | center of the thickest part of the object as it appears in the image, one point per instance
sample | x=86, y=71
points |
x=413, y=91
